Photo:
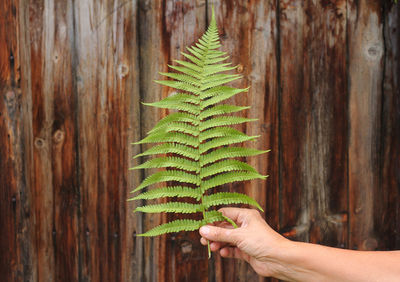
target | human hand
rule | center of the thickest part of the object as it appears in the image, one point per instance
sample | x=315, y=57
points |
x=253, y=241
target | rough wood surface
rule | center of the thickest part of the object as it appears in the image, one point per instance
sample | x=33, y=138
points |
x=366, y=51
x=324, y=78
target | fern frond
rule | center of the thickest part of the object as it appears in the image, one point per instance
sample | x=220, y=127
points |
x=171, y=148
x=175, y=105
x=229, y=152
x=179, y=85
x=168, y=175
x=226, y=198
x=223, y=120
x=177, y=127
x=219, y=132
x=223, y=141
x=219, y=94
x=182, y=78
x=187, y=71
x=189, y=65
x=176, y=207
x=225, y=166
x=174, y=162
x=219, y=110
x=216, y=68
x=177, y=117
x=174, y=191
x=197, y=136
x=177, y=137
x=230, y=177
x=174, y=226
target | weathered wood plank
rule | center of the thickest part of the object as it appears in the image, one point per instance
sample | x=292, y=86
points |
x=59, y=64
x=41, y=16
x=103, y=39
x=313, y=124
x=150, y=60
x=365, y=77
x=17, y=254
x=293, y=108
x=387, y=193
x=324, y=148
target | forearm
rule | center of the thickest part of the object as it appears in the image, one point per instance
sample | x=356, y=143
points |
x=309, y=262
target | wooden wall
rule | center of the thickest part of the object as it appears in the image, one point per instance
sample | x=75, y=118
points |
x=324, y=79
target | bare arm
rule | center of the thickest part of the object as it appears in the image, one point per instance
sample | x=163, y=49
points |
x=270, y=254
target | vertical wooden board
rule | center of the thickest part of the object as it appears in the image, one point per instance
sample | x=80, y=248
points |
x=365, y=47
x=151, y=58
x=387, y=193
x=313, y=123
x=248, y=35
x=294, y=105
x=59, y=58
x=323, y=153
x=102, y=68
x=128, y=85
x=17, y=257
x=41, y=16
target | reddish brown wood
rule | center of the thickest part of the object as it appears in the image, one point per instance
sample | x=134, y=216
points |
x=17, y=256
x=365, y=77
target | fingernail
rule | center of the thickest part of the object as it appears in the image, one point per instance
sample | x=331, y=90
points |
x=204, y=230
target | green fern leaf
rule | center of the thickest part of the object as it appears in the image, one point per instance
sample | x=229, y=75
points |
x=169, y=175
x=230, y=177
x=229, y=152
x=224, y=120
x=219, y=94
x=176, y=117
x=225, y=198
x=174, y=226
x=225, y=166
x=219, y=132
x=175, y=105
x=170, y=207
x=177, y=137
x=174, y=162
x=174, y=191
x=223, y=141
x=171, y=148
x=179, y=85
x=219, y=110
x=178, y=127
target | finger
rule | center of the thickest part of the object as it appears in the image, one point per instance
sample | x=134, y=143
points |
x=203, y=241
x=219, y=234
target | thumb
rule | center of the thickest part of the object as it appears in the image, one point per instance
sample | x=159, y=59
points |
x=219, y=234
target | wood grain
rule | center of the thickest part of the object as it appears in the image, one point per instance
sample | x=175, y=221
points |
x=365, y=77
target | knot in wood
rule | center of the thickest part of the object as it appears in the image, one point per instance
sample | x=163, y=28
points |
x=123, y=70
x=240, y=68
x=58, y=136
x=10, y=98
x=39, y=143
x=374, y=52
